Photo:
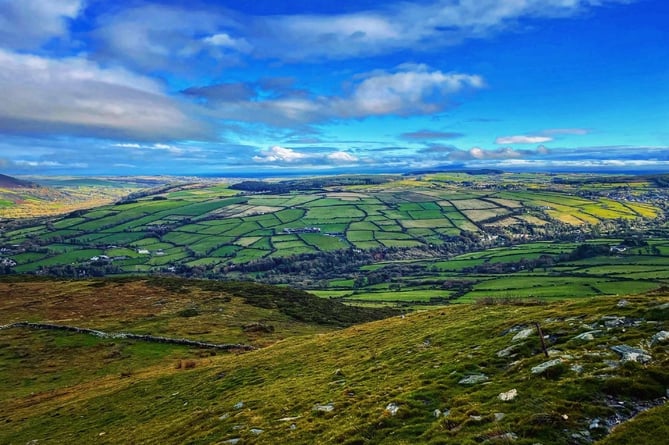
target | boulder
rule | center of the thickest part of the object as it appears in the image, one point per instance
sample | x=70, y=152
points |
x=630, y=354
x=508, y=396
x=522, y=335
x=392, y=408
x=540, y=369
x=327, y=408
x=660, y=337
x=473, y=379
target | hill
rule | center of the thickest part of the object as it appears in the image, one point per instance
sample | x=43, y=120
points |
x=9, y=182
x=463, y=374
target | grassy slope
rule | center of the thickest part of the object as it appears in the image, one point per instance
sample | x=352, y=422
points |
x=173, y=395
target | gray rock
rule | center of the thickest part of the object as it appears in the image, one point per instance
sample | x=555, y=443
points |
x=476, y=418
x=522, y=335
x=662, y=307
x=239, y=405
x=256, y=431
x=576, y=368
x=437, y=413
x=660, y=337
x=506, y=352
x=327, y=408
x=612, y=321
x=392, y=408
x=293, y=426
x=473, y=379
x=540, y=369
x=622, y=303
x=596, y=423
x=234, y=441
x=588, y=336
x=224, y=416
x=630, y=354
x=499, y=416
x=508, y=396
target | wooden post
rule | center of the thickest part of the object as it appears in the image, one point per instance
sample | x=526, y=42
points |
x=541, y=337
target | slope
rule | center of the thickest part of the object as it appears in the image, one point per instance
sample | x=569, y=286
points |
x=462, y=375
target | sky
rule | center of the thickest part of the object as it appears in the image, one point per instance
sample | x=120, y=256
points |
x=236, y=87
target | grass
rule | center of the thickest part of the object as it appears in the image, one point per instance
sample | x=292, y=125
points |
x=74, y=388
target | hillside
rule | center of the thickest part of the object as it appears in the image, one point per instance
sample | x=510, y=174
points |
x=463, y=374
x=9, y=182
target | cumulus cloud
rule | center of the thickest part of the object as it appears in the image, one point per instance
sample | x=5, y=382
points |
x=25, y=24
x=522, y=139
x=74, y=96
x=282, y=155
x=405, y=91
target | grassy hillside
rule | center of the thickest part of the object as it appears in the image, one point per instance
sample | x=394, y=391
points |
x=429, y=377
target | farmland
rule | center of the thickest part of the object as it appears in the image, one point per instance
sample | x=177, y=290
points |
x=251, y=230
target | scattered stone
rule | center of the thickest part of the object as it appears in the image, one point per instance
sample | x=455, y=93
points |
x=506, y=352
x=595, y=424
x=256, y=431
x=508, y=396
x=234, y=441
x=662, y=307
x=327, y=408
x=338, y=371
x=293, y=426
x=476, y=418
x=612, y=321
x=522, y=335
x=577, y=368
x=473, y=379
x=588, y=336
x=102, y=433
x=622, y=303
x=630, y=354
x=237, y=427
x=224, y=416
x=504, y=438
x=611, y=363
x=288, y=419
x=239, y=405
x=392, y=408
x=499, y=416
x=540, y=369
x=660, y=337
x=436, y=413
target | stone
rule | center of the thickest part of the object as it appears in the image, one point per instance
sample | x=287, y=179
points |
x=239, y=405
x=612, y=321
x=522, y=335
x=660, y=337
x=256, y=431
x=588, y=336
x=234, y=441
x=622, y=303
x=630, y=354
x=506, y=352
x=473, y=379
x=508, y=396
x=436, y=413
x=596, y=423
x=499, y=416
x=224, y=416
x=576, y=368
x=540, y=369
x=327, y=408
x=293, y=426
x=392, y=408
x=476, y=418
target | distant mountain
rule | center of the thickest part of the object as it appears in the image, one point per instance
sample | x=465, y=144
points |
x=9, y=182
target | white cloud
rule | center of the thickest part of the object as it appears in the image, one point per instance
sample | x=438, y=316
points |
x=342, y=157
x=569, y=131
x=77, y=97
x=407, y=90
x=522, y=139
x=279, y=154
x=282, y=155
x=25, y=24
x=225, y=41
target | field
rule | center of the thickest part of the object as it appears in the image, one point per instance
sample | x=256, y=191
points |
x=509, y=273
x=211, y=227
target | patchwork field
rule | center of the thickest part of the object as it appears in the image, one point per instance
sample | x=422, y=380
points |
x=214, y=226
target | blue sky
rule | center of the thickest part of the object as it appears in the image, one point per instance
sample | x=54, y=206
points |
x=232, y=87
